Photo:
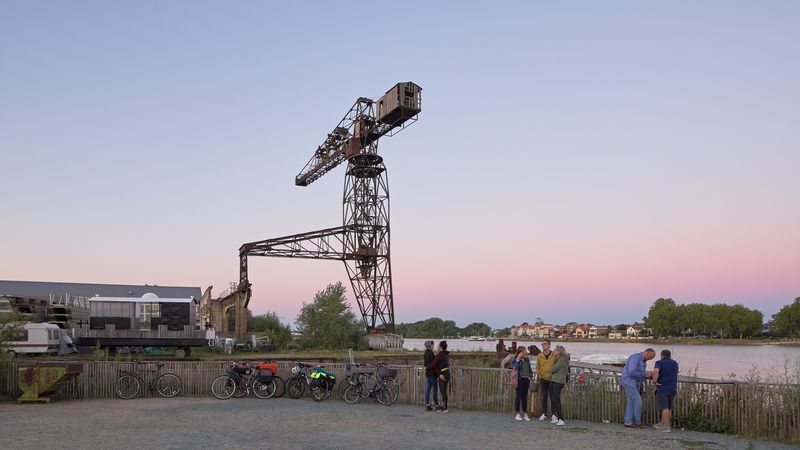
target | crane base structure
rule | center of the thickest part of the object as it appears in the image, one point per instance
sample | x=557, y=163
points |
x=362, y=242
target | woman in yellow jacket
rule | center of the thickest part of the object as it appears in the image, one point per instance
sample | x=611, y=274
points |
x=544, y=362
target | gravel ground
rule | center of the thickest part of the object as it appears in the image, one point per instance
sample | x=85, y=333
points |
x=285, y=423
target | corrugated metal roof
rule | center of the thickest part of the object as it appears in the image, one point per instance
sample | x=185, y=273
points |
x=41, y=290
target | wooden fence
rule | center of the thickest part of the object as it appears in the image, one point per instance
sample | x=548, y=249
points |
x=748, y=409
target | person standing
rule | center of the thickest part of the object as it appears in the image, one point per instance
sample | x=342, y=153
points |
x=430, y=378
x=558, y=378
x=523, y=367
x=665, y=377
x=442, y=370
x=544, y=362
x=633, y=375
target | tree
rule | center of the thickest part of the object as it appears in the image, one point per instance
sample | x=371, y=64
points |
x=662, y=317
x=477, y=329
x=745, y=322
x=786, y=322
x=10, y=326
x=327, y=322
x=503, y=332
x=270, y=325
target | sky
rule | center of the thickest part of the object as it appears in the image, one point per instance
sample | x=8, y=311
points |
x=572, y=161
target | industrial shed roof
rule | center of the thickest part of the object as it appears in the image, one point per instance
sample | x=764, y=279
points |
x=41, y=290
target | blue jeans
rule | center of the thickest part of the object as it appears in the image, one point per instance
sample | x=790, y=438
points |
x=521, y=399
x=431, y=385
x=633, y=404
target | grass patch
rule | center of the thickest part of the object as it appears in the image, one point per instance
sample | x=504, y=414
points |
x=693, y=444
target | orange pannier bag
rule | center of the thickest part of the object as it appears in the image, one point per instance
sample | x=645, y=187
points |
x=269, y=366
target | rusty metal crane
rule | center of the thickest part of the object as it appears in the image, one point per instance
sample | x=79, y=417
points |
x=362, y=242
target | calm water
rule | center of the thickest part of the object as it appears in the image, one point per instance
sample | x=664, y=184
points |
x=709, y=361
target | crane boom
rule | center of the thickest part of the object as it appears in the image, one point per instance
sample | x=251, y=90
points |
x=361, y=127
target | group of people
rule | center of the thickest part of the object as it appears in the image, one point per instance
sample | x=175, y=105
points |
x=665, y=378
x=552, y=372
x=552, y=367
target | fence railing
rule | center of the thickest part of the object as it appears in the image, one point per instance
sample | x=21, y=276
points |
x=747, y=409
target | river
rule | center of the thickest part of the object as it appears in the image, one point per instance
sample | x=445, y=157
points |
x=706, y=361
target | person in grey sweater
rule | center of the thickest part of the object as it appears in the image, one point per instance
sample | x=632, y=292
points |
x=558, y=379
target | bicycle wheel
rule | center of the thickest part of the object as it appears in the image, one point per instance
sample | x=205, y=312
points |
x=127, y=386
x=168, y=385
x=328, y=392
x=352, y=394
x=394, y=386
x=223, y=387
x=341, y=387
x=296, y=387
x=383, y=395
x=264, y=390
x=321, y=391
x=280, y=386
x=241, y=388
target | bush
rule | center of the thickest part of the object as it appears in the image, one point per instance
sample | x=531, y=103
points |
x=695, y=419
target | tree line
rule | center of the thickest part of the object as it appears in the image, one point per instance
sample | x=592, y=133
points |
x=328, y=322
x=437, y=328
x=787, y=321
x=666, y=318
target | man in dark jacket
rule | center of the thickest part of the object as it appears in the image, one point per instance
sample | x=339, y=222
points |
x=430, y=378
x=441, y=366
x=665, y=377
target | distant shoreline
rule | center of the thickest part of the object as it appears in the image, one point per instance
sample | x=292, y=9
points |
x=679, y=341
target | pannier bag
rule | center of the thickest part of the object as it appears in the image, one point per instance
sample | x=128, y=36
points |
x=265, y=376
x=385, y=372
x=242, y=369
x=269, y=366
x=323, y=378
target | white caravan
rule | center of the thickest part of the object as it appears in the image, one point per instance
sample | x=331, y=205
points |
x=35, y=338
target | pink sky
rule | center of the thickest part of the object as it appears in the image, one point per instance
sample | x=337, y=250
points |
x=570, y=163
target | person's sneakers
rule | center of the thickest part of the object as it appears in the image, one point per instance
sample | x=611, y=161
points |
x=554, y=419
x=631, y=425
x=527, y=419
x=543, y=417
x=441, y=410
x=428, y=408
x=662, y=428
x=560, y=423
x=518, y=417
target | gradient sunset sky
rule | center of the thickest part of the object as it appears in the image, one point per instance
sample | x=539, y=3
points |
x=573, y=160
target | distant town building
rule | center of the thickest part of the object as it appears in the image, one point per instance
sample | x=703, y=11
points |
x=596, y=332
x=581, y=331
x=635, y=331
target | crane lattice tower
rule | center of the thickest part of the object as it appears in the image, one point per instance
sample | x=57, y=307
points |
x=362, y=242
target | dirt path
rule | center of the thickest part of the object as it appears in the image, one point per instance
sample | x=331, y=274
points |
x=284, y=423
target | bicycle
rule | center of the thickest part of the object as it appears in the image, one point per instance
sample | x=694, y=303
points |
x=388, y=375
x=318, y=384
x=129, y=383
x=241, y=380
x=383, y=391
x=350, y=378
